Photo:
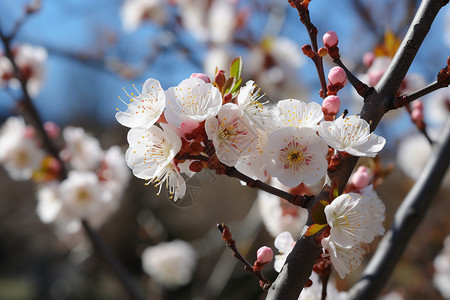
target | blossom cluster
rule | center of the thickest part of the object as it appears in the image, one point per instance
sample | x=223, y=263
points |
x=30, y=61
x=199, y=124
x=93, y=187
x=352, y=221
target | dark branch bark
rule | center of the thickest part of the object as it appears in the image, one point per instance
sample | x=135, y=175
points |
x=299, y=263
x=298, y=200
x=406, y=220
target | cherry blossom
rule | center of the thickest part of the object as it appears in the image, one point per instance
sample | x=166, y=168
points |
x=355, y=218
x=441, y=263
x=231, y=135
x=284, y=243
x=145, y=108
x=19, y=153
x=352, y=135
x=252, y=164
x=81, y=194
x=170, y=264
x=298, y=114
x=193, y=100
x=344, y=259
x=133, y=12
x=82, y=149
x=314, y=292
x=254, y=111
x=296, y=155
x=151, y=155
x=31, y=63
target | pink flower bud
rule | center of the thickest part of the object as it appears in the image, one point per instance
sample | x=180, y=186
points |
x=52, y=129
x=368, y=59
x=331, y=105
x=264, y=255
x=361, y=178
x=418, y=105
x=417, y=115
x=201, y=76
x=337, y=76
x=330, y=39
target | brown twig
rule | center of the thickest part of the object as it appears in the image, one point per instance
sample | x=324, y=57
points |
x=361, y=88
x=227, y=237
x=303, y=12
x=298, y=200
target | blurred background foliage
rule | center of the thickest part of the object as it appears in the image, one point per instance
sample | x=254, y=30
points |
x=91, y=56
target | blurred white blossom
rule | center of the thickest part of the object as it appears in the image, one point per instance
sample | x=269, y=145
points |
x=170, y=264
x=82, y=150
x=134, y=12
x=18, y=152
x=441, y=264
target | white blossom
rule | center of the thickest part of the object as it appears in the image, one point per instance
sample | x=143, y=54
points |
x=296, y=155
x=298, y=114
x=441, y=263
x=221, y=21
x=252, y=164
x=151, y=155
x=170, y=264
x=352, y=135
x=284, y=243
x=18, y=153
x=344, y=259
x=193, y=15
x=49, y=202
x=31, y=62
x=82, y=149
x=133, y=12
x=254, y=111
x=314, y=292
x=145, y=108
x=231, y=135
x=81, y=194
x=193, y=100
x=355, y=218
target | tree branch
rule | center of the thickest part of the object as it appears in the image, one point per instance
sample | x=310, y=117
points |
x=300, y=261
x=407, y=218
x=298, y=200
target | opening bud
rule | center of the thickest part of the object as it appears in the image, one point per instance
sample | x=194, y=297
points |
x=264, y=255
x=201, y=76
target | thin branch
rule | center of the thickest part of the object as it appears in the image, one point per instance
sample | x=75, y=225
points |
x=226, y=236
x=407, y=218
x=119, y=270
x=303, y=12
x=298, y=200
x=404, y=100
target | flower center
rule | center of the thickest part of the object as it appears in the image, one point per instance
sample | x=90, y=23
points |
x=295, y=157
